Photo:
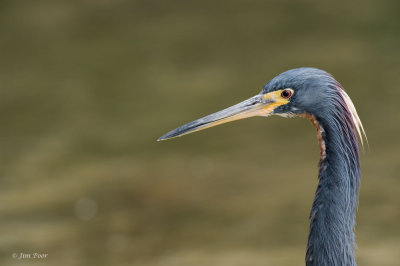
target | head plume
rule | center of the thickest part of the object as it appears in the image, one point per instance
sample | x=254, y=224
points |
x=355, y=118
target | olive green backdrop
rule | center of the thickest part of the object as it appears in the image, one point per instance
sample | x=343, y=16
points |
x=86, y=88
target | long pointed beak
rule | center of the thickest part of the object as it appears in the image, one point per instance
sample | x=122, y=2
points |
x=259, y=105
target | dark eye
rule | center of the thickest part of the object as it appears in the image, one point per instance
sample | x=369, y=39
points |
x=286, y=94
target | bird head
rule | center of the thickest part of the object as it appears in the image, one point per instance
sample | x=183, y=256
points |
x=296, y=92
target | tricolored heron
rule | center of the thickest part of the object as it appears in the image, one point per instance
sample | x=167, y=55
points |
x=314, y=94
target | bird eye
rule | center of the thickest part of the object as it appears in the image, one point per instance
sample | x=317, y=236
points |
x=286, y=94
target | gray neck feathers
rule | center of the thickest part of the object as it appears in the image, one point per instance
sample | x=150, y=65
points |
x=332, y=219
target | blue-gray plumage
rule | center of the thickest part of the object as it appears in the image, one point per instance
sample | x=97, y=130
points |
x=316, y=95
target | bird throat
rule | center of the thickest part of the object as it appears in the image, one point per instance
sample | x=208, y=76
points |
x=320, y=132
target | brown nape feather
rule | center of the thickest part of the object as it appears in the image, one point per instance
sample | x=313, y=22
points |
x=320, y=131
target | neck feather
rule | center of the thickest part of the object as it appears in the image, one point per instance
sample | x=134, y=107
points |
x=332, y=218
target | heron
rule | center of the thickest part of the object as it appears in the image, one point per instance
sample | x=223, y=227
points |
x=316, y=95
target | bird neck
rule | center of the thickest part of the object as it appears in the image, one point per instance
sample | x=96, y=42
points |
x=332, y=217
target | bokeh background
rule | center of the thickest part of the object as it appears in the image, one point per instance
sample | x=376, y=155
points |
x=86, y=88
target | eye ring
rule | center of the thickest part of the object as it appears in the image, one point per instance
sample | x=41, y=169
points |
x=286, y=93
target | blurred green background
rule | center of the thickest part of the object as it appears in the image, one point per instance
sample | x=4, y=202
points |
x=86, y=88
